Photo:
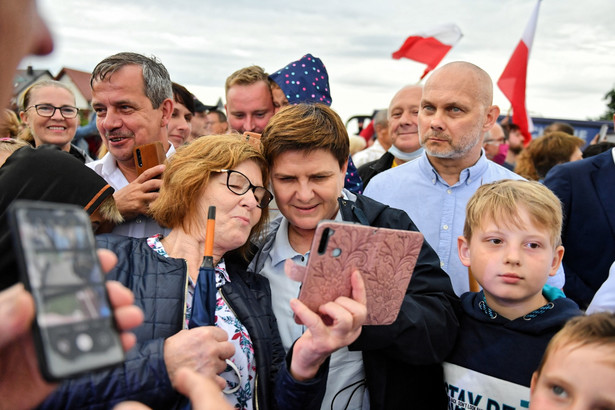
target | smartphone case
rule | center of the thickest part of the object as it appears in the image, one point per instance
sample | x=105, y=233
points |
x=148, y=156
x=384, y=257
x=61, y=342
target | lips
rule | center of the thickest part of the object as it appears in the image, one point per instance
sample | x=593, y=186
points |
x=510, y=278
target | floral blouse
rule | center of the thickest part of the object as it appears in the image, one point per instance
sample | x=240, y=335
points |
x=226, y=320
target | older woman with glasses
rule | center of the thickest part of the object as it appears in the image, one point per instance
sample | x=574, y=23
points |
x=241, y=341
x=48, y=109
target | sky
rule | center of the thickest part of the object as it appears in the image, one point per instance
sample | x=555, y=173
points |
x=201, y=42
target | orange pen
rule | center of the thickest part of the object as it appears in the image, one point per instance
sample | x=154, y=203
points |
x=208, y=257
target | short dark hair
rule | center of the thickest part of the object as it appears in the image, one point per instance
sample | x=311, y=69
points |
x=221, y=115
x=183, y=96
x=306, y=127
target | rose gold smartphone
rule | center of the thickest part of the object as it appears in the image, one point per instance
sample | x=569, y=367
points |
x=384, y=257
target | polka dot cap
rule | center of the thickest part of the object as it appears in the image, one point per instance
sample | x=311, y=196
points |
x=304, y=81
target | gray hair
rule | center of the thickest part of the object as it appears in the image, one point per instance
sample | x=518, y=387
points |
x=381, y=117
x=156, y=79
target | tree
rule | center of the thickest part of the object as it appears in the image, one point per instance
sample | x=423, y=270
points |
x=610, y=99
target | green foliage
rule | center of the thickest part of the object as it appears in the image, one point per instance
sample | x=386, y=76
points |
x=609, y=97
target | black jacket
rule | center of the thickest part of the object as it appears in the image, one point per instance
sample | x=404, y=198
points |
x=402, y=361
x=370, y=169
x=159, y=286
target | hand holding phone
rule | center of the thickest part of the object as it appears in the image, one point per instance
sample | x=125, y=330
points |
x=74, y=330
x=148, y=156
x=384, y=257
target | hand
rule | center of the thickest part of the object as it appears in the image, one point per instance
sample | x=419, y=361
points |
x=320, y=340
x=134, y=198
x=203, y=349
x=21, y=383
x=202, y=391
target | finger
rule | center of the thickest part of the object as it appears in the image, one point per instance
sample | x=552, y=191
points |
x=131, y=405
x=151, y=187
x=16, y=311
x=358, y=287
x=150, y=173
x=128, y=317
x=310, y=319
x=198, y=388
x=108, y=259
x=119, y=295
x=227, y=350
x=129, y=340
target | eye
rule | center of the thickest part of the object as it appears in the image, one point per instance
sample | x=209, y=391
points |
x=100, y=112
x=533, y=245
x=495, y=241
x=428, y=108
x=455, y=110
x=559, y=391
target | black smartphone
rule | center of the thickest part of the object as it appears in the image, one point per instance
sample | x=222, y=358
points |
x=74, y=329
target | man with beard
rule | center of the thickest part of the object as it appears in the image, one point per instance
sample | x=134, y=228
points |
x=133, y=100
x=455, y=112
x=515, y=146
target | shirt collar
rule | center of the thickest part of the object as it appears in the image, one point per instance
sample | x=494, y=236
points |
x=466, y=176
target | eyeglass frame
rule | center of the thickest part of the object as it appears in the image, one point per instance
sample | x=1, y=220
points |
x=54, y=110
x=498, y=141
x=251, y=186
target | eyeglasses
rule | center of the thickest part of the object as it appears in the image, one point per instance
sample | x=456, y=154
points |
x=498, y=141
x=239, y=184
x=48, y=110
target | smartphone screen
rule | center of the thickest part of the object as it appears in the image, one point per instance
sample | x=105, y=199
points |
x=74, y=328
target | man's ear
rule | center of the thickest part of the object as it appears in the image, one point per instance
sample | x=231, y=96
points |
x=491, y=117
x=463, y=248
x=167, y=110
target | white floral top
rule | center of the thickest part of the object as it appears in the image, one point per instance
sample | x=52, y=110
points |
x=238, y=335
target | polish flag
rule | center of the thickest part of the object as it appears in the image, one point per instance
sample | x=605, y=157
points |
x=512, y=81
x=430, y=46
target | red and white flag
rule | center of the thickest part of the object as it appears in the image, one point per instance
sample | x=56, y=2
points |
x=513, y=79
x=430, y=46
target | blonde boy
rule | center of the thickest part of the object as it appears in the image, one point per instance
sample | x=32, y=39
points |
x=578, y=368
x=511, y=242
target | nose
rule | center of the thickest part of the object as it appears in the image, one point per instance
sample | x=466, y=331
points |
x=435, y=121
x=109, y=122
x=249, y=199
x=512, y=256
x=248, y=124
x=304, y=192
x=42, y=43
x=57, y=115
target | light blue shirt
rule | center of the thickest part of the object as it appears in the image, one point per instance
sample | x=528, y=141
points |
x=438, y=209
x=345, y=367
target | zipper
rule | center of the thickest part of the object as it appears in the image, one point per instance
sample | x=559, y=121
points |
x=185, y=295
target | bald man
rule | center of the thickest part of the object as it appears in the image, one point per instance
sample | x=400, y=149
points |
x=492, y=140
x=456, y=110
x=403, y=131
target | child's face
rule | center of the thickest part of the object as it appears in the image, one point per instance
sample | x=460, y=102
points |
x=575, y=377
x=511, y=264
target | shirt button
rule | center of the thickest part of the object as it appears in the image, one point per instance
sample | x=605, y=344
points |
x=448, y=191
x=445, y=227
x=138, y=220
x=441, y=264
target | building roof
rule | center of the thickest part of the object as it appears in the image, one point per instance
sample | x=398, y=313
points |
x=81, y=80
x=24, y=78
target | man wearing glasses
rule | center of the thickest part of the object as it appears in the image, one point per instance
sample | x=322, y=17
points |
x=492, y=140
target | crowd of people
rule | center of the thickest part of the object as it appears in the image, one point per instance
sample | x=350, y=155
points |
x=511, y=299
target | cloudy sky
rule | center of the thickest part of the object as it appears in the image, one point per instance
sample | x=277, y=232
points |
x=572, y=64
